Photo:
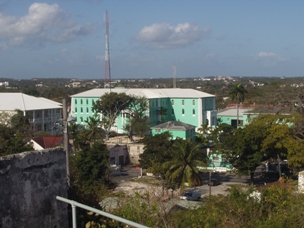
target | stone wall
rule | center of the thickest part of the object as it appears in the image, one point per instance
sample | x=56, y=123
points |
x=29, y=184
x=134, y=151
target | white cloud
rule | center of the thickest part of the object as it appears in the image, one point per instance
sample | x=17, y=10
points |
x=266, y=54
x=43, y=23
x=167, y=36
x=269, y=59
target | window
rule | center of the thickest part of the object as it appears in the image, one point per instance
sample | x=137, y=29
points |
x=81, y=109
x=183, y=102
x=81, y=119
x=183, y=111
x=193, y=102
x=193, y=112
x=81, y=101
x=75, y=101
x=172, y=111
x=75, y=109
x=87, y=101
x=172, y=102
x=87, y=110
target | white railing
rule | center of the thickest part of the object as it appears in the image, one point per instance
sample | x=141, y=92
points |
x=75, y=204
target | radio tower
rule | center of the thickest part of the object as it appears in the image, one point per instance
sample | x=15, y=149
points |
x=107, y=69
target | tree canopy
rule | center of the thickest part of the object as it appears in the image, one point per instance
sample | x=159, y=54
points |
x=110, y=105
x=183, y=167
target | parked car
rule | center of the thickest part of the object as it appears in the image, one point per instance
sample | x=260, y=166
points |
x=191, y=195
x=214, y=182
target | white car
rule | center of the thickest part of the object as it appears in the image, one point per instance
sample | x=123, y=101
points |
x=115, y=167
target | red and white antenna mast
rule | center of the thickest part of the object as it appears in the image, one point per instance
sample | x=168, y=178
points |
x=107, y=69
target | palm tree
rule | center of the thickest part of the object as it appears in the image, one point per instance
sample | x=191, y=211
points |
x=237, y=93
x=93, y=129
x=183, y=168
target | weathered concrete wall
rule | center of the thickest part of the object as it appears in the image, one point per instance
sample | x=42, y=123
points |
x=134, y=151
x=29, y=184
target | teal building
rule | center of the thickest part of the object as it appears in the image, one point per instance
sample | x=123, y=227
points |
x=177, y=129
x=229, y=116
x=184, y=105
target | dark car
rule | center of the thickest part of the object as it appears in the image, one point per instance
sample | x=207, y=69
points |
x=214, y=182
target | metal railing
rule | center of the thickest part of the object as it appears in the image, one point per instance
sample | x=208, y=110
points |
x=75, y=204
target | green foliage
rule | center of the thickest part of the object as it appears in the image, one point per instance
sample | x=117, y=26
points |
x=183, y=167
x=141, y=209
x=11, y=142
x=110, y=105
x=92, y=164
x=93, y=130
x=21, y=124
x=90, y=180
x=136, y=113
x=243, y=147
x=157, y=150
x=15, y=135
x=237, y=92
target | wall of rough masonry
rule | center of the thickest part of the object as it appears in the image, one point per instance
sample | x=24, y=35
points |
x=134, y=151
x=29, y=184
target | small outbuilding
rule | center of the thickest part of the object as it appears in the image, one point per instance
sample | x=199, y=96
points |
x=177, y=129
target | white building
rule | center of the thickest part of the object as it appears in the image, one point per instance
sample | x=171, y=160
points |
x=41, y=112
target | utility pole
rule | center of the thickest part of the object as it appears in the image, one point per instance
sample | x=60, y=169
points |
x=66, y=139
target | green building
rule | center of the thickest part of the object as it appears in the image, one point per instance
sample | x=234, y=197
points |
x=229, y=116
x=177, y=129
x=184, y=105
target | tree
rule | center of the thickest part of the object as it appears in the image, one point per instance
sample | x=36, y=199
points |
x=21, y=124
x=237, y=92
x=89, y=178
x=163, y=112
x=110, y=105
x=243, y=148
x=157, y=150
x=141, y=126
x=93, y=129
x=93, y=165
x=183, y=167
x=136, y=113
x=11, y=142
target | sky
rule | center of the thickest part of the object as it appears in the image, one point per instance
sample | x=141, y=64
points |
x=66, y=38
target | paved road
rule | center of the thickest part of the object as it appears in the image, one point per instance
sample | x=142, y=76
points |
x=130, y=171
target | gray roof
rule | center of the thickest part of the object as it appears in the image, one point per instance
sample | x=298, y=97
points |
x=148, y=93
x=24, y=102
x=174, y=125
x=233, y=111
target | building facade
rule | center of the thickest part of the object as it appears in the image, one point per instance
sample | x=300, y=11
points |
x=42, y=113
x=185, y=105
x=177, y=129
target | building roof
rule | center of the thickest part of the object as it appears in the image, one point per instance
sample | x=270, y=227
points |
x=233, y=111
x=174, y=125
x=24, y=102
x=148, y=93
x=48, y=141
